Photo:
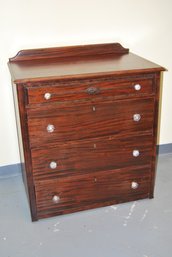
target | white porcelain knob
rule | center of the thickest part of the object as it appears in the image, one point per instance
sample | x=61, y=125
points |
x=134, y=185
x=136, y=153
x=136, y=117
x=53, y=165
x=56, y=199
x=47, y=96
x=137, y=87
x=50, y=128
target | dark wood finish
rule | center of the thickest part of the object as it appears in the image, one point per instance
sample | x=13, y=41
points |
x=91, y=66
x=69, y=52
x=155, y=127
x=87, y=121
x=87, y=156
x=92, y=104
x=25, y=152
x=88, y=89
x=98, y=188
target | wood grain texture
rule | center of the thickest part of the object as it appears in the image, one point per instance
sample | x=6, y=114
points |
x=155, y=129
x=27, y=166
x=91, y=61
x=89, y=89
x=69, y=51
x=87, y=156
x=83, y=121
x=92, y=104
x=91, y=190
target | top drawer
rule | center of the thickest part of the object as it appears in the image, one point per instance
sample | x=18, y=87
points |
x=89, y=89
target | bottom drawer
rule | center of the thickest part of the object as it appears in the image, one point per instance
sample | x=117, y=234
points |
x=71, y=194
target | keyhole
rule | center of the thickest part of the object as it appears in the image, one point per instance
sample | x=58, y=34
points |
x=94, y=108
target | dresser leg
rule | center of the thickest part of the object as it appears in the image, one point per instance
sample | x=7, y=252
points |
x=34, y=219
x=151, y=196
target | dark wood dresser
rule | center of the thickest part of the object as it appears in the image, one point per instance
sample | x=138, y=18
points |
x=87, y=126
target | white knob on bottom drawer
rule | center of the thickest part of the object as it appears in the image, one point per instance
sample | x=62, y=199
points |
x=53, y=165
x=136, y=117
x=134, y=185
x=47, y=96
x=56, y=199
x=137, y=87
x=50, y=128
x=136, y=153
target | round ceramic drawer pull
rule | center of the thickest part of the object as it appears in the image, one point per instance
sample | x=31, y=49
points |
x=50, y=128
x=53, y=165
x=136, y=117
x=136, y=153
x=56, y=199
x=134, y=185
x=137, y=87
x=47, y=96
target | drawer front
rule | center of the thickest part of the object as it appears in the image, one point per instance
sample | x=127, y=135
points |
x=97, y=189
x=88, y=121
x=87, y=156
x=88, y=89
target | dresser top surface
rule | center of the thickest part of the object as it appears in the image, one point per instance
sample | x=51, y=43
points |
x=32, y=65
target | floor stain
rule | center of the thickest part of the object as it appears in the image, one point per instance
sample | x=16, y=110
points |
x=144, y=215
x=130, y=214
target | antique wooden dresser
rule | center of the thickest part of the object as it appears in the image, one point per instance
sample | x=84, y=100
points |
x=87, y=126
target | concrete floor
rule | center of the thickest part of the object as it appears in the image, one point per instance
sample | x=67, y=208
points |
x=136, y=229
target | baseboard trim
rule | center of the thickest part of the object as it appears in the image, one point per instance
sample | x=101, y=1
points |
x=15, y=169
x=164, y=149
x=10, y=170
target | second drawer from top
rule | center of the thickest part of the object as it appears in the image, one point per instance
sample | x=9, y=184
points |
x=55, y=123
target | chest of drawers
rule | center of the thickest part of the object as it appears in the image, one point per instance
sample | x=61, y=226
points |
x=87, y=126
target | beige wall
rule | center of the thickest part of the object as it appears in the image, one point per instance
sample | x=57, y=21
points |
x=145, y=26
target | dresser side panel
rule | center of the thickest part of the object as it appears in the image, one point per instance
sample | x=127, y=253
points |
x=23, y=139
x=155, y=133
x=18, y=123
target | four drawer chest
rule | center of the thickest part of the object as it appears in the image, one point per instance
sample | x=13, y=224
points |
x=87, y=119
